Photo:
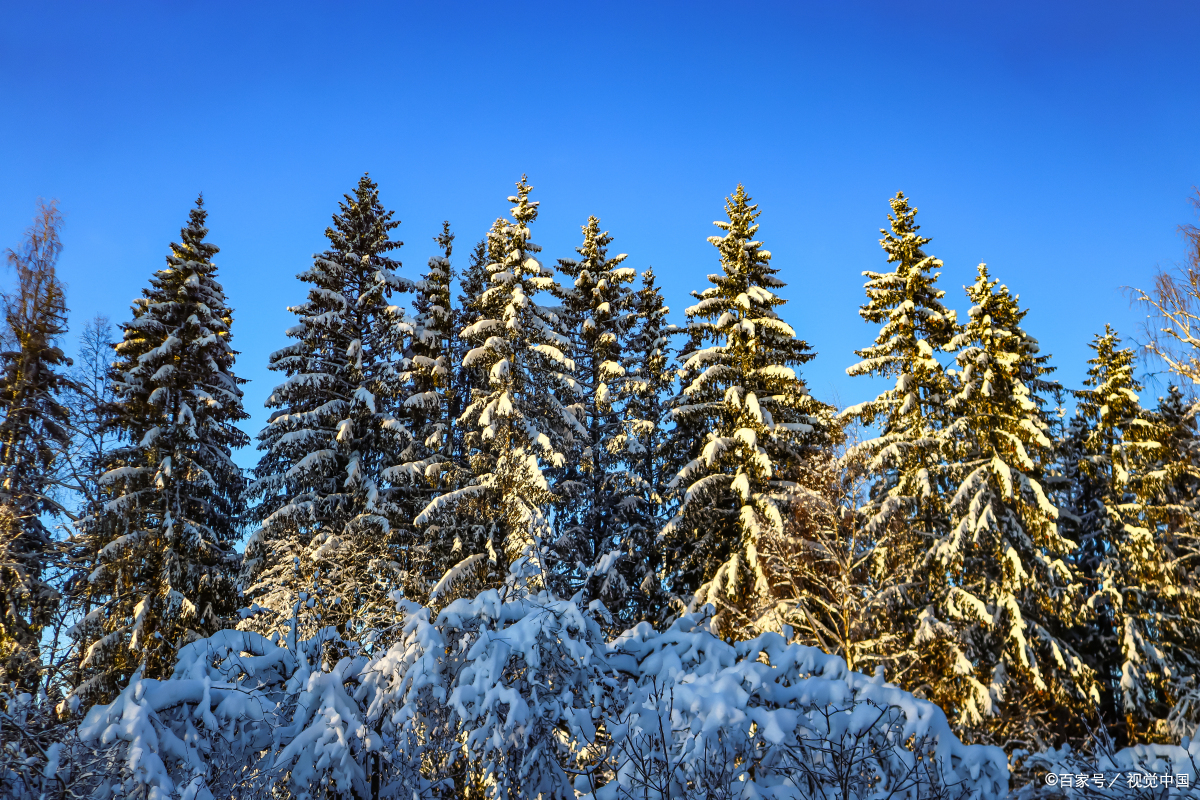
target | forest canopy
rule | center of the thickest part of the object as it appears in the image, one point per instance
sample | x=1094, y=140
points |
x=512, y=533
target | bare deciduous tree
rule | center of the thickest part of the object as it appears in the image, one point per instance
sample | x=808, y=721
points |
x=1173, y=329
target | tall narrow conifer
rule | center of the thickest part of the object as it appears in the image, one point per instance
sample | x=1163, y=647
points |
x=758, y=423
x=1003, y=592
x=333, y=535
x=518, y=426
x=167, y=568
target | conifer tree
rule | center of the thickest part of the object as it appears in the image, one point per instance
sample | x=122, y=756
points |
x=1147, y=622
x=167, y=570
x=332, y=535
x=759, y=423
x=599, y=503
x=518, y=426
x=1171, y=496
x=437, y=389
x=916, y=327
x=1176, y=472
x=643, y=441
x=1003, y=593
x=906, y=503
x=33, y=434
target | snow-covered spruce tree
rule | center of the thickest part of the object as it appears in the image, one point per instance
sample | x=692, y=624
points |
x=906, y=506
x=437, y=389
x=518, y=426
x=33, y=436
x=334, y=536
x=643, y=443
x=1171, y=507
x=601, y=494
x=1147, y=624
x=167, y=570
x=1003, y=592
x=759, y=426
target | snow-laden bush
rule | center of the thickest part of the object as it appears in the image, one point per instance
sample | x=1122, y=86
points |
x=516, y=694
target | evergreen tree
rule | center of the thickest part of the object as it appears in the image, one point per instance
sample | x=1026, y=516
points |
x=1175, y=472
x=33, y=435
x=906, y=507
x=1171, y=495
x=1004, y=595
x=1147, y=623
x=437, y=386
x=335, y=535
x=595, y=517
x=174, y=495
x=643, y=443
x=916, y=327
x=518, y=426
x=759, y=424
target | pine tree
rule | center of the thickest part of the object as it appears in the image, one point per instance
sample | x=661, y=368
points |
x=174, y=495
x=906, y=506
x=1147, y=623
x=33, y=435
x=759, y=423
x=1004, y=595
x=518, y=426
x=333, y=535
x=595, y=517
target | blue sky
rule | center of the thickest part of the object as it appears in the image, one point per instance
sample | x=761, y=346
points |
x=1059, y=142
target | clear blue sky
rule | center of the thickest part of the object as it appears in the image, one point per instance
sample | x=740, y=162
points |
x=1059, y=142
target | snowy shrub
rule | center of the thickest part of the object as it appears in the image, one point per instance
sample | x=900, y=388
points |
x=762, y=718
x=517, y=694
x=31, y=749
x=220, y=722
x=499, y=690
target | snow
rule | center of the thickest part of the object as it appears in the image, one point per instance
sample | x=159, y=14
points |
x=541, y=702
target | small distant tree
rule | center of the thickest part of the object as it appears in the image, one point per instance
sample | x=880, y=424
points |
x=644, y=445
x=436, y=389
x=34, y=433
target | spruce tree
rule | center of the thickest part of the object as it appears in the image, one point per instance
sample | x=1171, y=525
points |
x=518, y=427
x=916, y=327
x=1003, y=593
x=167, y=570
x=758, y=421
x=595, y=515
x=34, y=433
x=1171, y=494
x=1147, y=620
x=643, y=443
x=334, y=536
x=906, y=506
x=437, y=388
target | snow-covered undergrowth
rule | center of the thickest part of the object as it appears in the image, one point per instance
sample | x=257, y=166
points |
x=524, y=697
